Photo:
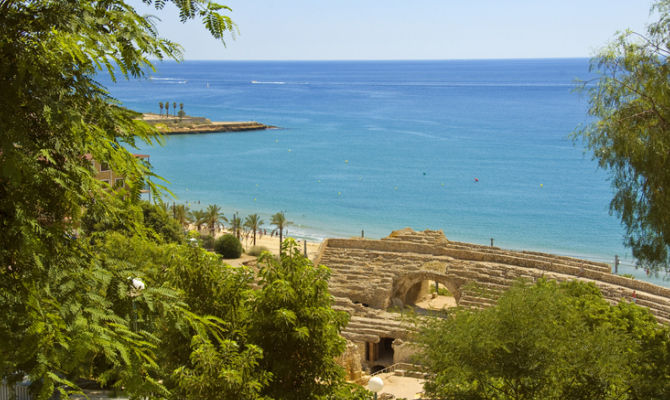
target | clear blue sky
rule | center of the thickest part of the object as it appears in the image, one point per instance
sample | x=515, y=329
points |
x=418, y=29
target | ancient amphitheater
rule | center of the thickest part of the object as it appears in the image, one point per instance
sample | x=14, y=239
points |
x=369, y=277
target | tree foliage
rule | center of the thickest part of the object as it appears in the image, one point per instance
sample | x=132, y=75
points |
x=214, y=218
x=220, y=337
x=180, y=212
x=293, y=317
x=158, y=219
x=197, y=328
x=548, y=341
x=630, y=134
x=236, y=225
x=198, y=217
x=254, y=223
x=280, y=222
x=59, y=321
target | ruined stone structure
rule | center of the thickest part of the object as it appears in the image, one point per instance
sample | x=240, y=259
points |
x=369, y=277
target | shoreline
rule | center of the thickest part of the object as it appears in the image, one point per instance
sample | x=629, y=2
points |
x=315, y=236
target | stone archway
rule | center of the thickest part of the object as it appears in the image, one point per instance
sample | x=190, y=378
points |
x=407, y=288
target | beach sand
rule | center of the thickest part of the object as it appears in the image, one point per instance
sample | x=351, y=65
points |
x=271, y=243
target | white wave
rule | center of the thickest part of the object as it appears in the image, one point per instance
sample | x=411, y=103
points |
x=168, y=80
x=268, y=83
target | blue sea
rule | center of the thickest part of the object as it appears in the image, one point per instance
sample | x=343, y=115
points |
x=479, y=149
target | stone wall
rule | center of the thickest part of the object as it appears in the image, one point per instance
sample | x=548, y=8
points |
x=350, y=360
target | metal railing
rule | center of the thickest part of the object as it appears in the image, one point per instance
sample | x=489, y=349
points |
x=19, y=391
x=390, y=368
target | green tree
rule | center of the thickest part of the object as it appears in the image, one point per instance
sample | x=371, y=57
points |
x=254, y=223
x=56, y=319
x=630, y=134
x=174, y=109
x=547, y=341
x=158, y=219
x=214, y=218
x=160, y=104
x=180, y=213
x=199, y=218
x=201, y=347
x=280, y=223
x=236, y=225
x=167, y=109
x=295, y=324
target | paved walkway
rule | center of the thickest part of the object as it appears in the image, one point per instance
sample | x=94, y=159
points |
x=402, y=386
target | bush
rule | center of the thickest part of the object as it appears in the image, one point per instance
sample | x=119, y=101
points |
x=228, y=246
x=207, y=241
x=256, y=250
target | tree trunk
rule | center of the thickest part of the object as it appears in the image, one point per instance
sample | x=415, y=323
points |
x=281, y=232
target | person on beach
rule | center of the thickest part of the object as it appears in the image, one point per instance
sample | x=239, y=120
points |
x=634, y=297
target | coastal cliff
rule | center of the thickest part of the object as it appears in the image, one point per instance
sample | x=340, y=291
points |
x=192, y=125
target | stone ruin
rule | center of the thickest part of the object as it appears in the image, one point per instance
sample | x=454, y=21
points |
x=369, y=277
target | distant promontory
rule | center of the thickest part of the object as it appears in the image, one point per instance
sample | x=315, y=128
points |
x=188, y=125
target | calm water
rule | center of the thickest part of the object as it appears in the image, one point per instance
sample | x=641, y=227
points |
x=479, y=149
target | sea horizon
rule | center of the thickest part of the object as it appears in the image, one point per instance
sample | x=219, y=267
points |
x=372, y=59
x=476, y=148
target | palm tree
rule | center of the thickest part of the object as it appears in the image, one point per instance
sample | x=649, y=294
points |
x=180, y=213
x=160, y=104
x=198, y=217
x=253, y=222
x=214, y=218
x=236, y=225
x=174, y=109
x=167, y=107
x=279, y=220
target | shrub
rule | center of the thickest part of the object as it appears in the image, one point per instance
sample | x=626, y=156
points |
x=207, y=241
x=256, y=250
x=228, y=246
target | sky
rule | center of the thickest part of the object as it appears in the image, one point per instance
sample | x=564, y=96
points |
x=416, y=30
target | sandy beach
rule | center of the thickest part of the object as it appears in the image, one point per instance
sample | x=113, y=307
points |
x=271, y=243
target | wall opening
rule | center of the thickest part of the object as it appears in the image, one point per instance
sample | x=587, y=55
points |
x=380, y=353
x=417, y=293
x=386, y=350
x=425, y=293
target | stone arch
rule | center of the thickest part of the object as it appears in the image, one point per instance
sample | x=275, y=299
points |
x=405, y=284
